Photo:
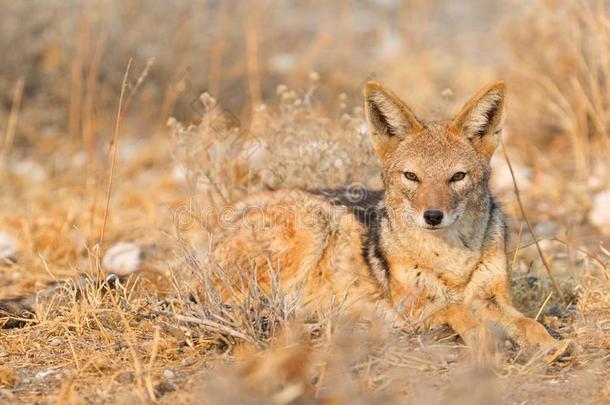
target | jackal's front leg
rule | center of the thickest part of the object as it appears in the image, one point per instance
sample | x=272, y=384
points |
x=488, y=296
x=461, y=320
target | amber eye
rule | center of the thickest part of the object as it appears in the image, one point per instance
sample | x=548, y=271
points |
x=458, y=176
x=411, y=176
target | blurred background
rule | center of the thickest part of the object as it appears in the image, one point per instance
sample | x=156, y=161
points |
x=223, y=98
x=240, y=52
x=69, y=57
x=63, y=63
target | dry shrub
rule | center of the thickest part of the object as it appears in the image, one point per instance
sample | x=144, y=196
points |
x=289, y=144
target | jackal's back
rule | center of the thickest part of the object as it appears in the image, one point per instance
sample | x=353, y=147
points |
x=315, y=241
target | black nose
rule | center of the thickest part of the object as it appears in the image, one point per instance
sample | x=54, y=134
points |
x=433, y=217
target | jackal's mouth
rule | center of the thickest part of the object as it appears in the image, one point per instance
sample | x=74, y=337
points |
x=435, y=227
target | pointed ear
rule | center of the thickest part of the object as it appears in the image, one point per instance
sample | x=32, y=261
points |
x=482, y=118
x=390, y=120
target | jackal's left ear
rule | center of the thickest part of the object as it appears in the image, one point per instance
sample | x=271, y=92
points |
x=389, y=118
x=482, y=118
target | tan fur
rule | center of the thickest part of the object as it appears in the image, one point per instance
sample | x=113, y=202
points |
x=313, y=243
x=454, y=273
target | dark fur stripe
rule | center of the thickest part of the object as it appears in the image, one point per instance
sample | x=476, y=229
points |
x=374, y=254
x=367, y=207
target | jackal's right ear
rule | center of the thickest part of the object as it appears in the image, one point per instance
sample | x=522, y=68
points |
x=482, y=118
x=390, y=120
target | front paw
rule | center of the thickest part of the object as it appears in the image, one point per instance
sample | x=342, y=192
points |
x=536, y=341
x=561, y=350
x=531, y=333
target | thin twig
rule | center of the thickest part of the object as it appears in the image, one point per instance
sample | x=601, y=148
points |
x=527, y=223
x=206, y=322
x=587, y=254
x=543, y=305
x=139, y=82
x=252, y=62
x=13, y=117
x=89, y=124
x=153, y=356
x=512, y=263
x=114, y=146
x=76, y=362
x=82, y=43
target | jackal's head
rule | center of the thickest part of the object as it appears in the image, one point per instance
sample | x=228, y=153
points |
x=435, y=173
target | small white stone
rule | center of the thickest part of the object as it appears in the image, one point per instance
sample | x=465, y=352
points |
x=390, y=44
x=79, y=159
x=180, y=173
x=30, y=169
x=553, y=382
x=363, y=128
x=282, y=62
x=600, y=211
x=547, y=246
x=187, y=362
x=169, y=374
x=8, y=246
x=56, y=342
x=41, y=375
x=447, y=93
x=281, y=88
x=123, y=258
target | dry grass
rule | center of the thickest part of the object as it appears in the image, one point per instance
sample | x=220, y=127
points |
x=273, y=123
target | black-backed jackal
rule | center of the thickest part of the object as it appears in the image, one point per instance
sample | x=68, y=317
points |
x=430, y=247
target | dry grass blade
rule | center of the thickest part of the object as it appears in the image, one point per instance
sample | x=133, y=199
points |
x=134, y=90
x=114, y=144
x=529, y=226
x=13, y=119
x=543, y=305
x=517, y=247
x=206, y=322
